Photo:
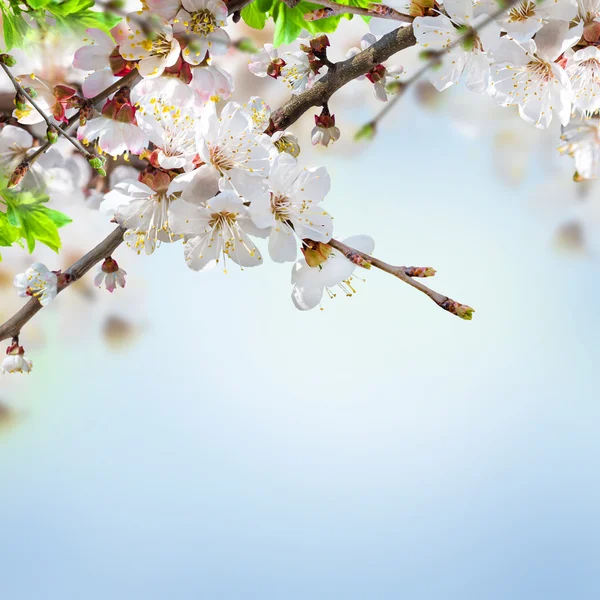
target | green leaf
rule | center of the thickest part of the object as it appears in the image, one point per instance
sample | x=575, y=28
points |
x=289, y=22
x=253, y=16
x=287, y=28
x=36, y=4
x=34, y=221
x=8, y=234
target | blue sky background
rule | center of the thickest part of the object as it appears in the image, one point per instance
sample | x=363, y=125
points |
x=380, y=448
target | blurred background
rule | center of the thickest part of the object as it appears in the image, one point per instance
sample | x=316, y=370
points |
x=195, y=436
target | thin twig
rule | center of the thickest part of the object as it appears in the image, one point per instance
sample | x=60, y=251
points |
x=434, y=61
x=76, y=271
x=342, y=73
x=50, y=121
x=319, y=94
x=461, y=310
x=126, y=80
x=379, y=11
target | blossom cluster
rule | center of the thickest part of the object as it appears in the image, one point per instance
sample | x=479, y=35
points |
x=541, y=57
x=210, y=174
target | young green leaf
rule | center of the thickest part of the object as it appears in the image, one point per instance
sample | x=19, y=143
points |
x=34, y=221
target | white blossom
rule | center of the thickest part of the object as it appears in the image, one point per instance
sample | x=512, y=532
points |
x=527, y=76
x=212, y=84
x=115, y=129
x=38, y=282
x=229, y=145
x=96, y=54
x=291, y=208
x=464, y=57
x=582, y=142
x=44, y=99
x=260, y=63
x=111, y=275
x=142, y=208
x=324, y=135
x=201, y=21
x=171, y=129
x=524, y=19
x=220, y=228
x=583, y=69
x=15, y=360
x=156, y=51
x=296, y=73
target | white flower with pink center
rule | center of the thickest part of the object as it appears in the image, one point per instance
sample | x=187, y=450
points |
x=116, y=129
x=15, y=360
x=110, y=274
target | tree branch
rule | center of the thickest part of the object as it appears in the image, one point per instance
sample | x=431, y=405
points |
x=376, y=11
x=342, y=73
x=50, y=121
x=76, y=271
x=434, y=61
x=461, y=310
x=338, y=76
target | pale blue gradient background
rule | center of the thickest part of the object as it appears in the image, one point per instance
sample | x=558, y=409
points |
x=379, y=449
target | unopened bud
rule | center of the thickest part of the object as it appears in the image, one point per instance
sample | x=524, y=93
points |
x=32, y=93
x=247, y=45
x=97, y=163
x=357, y=259
x=366, y=132
x=420, y=271
x=18, y=174
x=52, y=134
x=8, y=60
x=20, y=101
x=460, y=310
x=431, y=55
x=320, y=13
x=394, y=87
x=86, y=112
x=320, y=44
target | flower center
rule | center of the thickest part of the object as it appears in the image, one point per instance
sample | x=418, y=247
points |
x=522, y=12
x=222, y=220
x=203, y=22
x=285, y=144
x=220, y=160
x=160, y=46
x=280, y=205
x=541, y=70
